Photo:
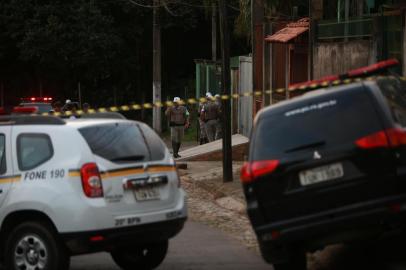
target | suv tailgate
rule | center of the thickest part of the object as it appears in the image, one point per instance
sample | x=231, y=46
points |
x=317, y=136
x=135, y=176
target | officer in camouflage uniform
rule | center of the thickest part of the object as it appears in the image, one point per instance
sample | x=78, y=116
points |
x=219, y=128
x=210, y=115
x=178, y=117
x=202, y=126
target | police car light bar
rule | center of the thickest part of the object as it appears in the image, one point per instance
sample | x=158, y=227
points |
x=37, y=99
x=352, y=74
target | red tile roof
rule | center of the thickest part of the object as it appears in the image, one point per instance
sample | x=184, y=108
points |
x=291, y=31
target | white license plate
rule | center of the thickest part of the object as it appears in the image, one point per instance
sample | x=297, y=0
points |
x=321, y=174
x=147, y=193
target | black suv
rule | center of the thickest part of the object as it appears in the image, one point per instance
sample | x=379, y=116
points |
x=328, y=167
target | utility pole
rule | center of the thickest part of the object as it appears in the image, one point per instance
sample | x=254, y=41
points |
x=214, y=31
x=2, y=94
x=156, y=77
x=80, y=95
x=226, y=90
x=40, y=87
x=257, y=36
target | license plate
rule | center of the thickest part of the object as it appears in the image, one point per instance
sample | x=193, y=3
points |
x=321, y=174
x=147, y=193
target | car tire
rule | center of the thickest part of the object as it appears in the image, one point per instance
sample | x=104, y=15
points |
x=36, y=245
x=297, y=261
x=146, y=257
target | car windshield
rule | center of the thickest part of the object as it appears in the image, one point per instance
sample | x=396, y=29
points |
x=42, y=107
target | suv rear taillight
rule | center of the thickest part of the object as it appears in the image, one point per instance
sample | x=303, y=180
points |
x=383, y=139
x=252, y=170
x=91, y=181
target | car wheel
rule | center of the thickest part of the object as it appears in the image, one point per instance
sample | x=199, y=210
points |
x=146, y=257
x=297, y=261
x=32, y=245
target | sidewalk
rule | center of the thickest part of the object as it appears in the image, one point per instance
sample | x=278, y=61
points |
x=184, y=146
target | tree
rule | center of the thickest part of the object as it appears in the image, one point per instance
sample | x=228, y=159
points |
x=104, y=44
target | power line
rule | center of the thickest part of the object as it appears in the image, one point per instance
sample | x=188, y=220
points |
x=143, y=5
x=165, y=5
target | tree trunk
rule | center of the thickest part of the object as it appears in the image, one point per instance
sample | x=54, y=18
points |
x=214, y=32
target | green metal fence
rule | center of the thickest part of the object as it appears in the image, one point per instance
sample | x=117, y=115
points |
x=208, y=77
x=355, y=28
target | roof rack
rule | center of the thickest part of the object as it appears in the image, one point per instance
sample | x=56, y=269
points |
x=371, y=70
x=30, y=120
x=105, y=115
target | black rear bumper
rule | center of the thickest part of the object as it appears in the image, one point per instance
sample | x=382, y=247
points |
x=106, y=240
x=346, y=224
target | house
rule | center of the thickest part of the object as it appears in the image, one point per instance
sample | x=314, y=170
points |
x=333, y=37
x=349, y=34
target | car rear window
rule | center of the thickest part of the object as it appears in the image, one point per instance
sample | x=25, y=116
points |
x=327, y=120
x=156, y=145
x=117, y=142
x=395, y=95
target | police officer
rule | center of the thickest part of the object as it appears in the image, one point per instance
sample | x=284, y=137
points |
x=210, y=114
x=85, y=107
x=57, y=107
x=202, y=126
x=219, y=127
x=178, y=117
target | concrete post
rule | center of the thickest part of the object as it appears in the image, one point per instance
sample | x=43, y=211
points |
x=287, y=69
x=198, y=94
x=156, y=73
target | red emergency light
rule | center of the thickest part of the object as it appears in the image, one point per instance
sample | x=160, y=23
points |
x=356, y=73
x=24, y=110
x=2, y=111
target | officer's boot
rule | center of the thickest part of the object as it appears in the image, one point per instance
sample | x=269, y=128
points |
x=177, y=150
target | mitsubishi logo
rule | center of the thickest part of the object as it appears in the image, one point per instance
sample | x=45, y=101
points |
x=316, y=155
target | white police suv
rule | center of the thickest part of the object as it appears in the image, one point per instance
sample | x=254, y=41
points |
x=85, y=185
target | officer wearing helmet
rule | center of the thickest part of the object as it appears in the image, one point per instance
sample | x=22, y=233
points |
x=210, y=114
x=178, y=117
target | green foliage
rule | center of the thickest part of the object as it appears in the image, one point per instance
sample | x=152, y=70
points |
x=272, y=9
x=106, y=45
x=243, y=21
x=70, y=41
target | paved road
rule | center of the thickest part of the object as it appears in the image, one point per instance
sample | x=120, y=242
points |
x=197, y=247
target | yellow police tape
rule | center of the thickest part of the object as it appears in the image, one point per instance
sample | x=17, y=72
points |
x=193, y=101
